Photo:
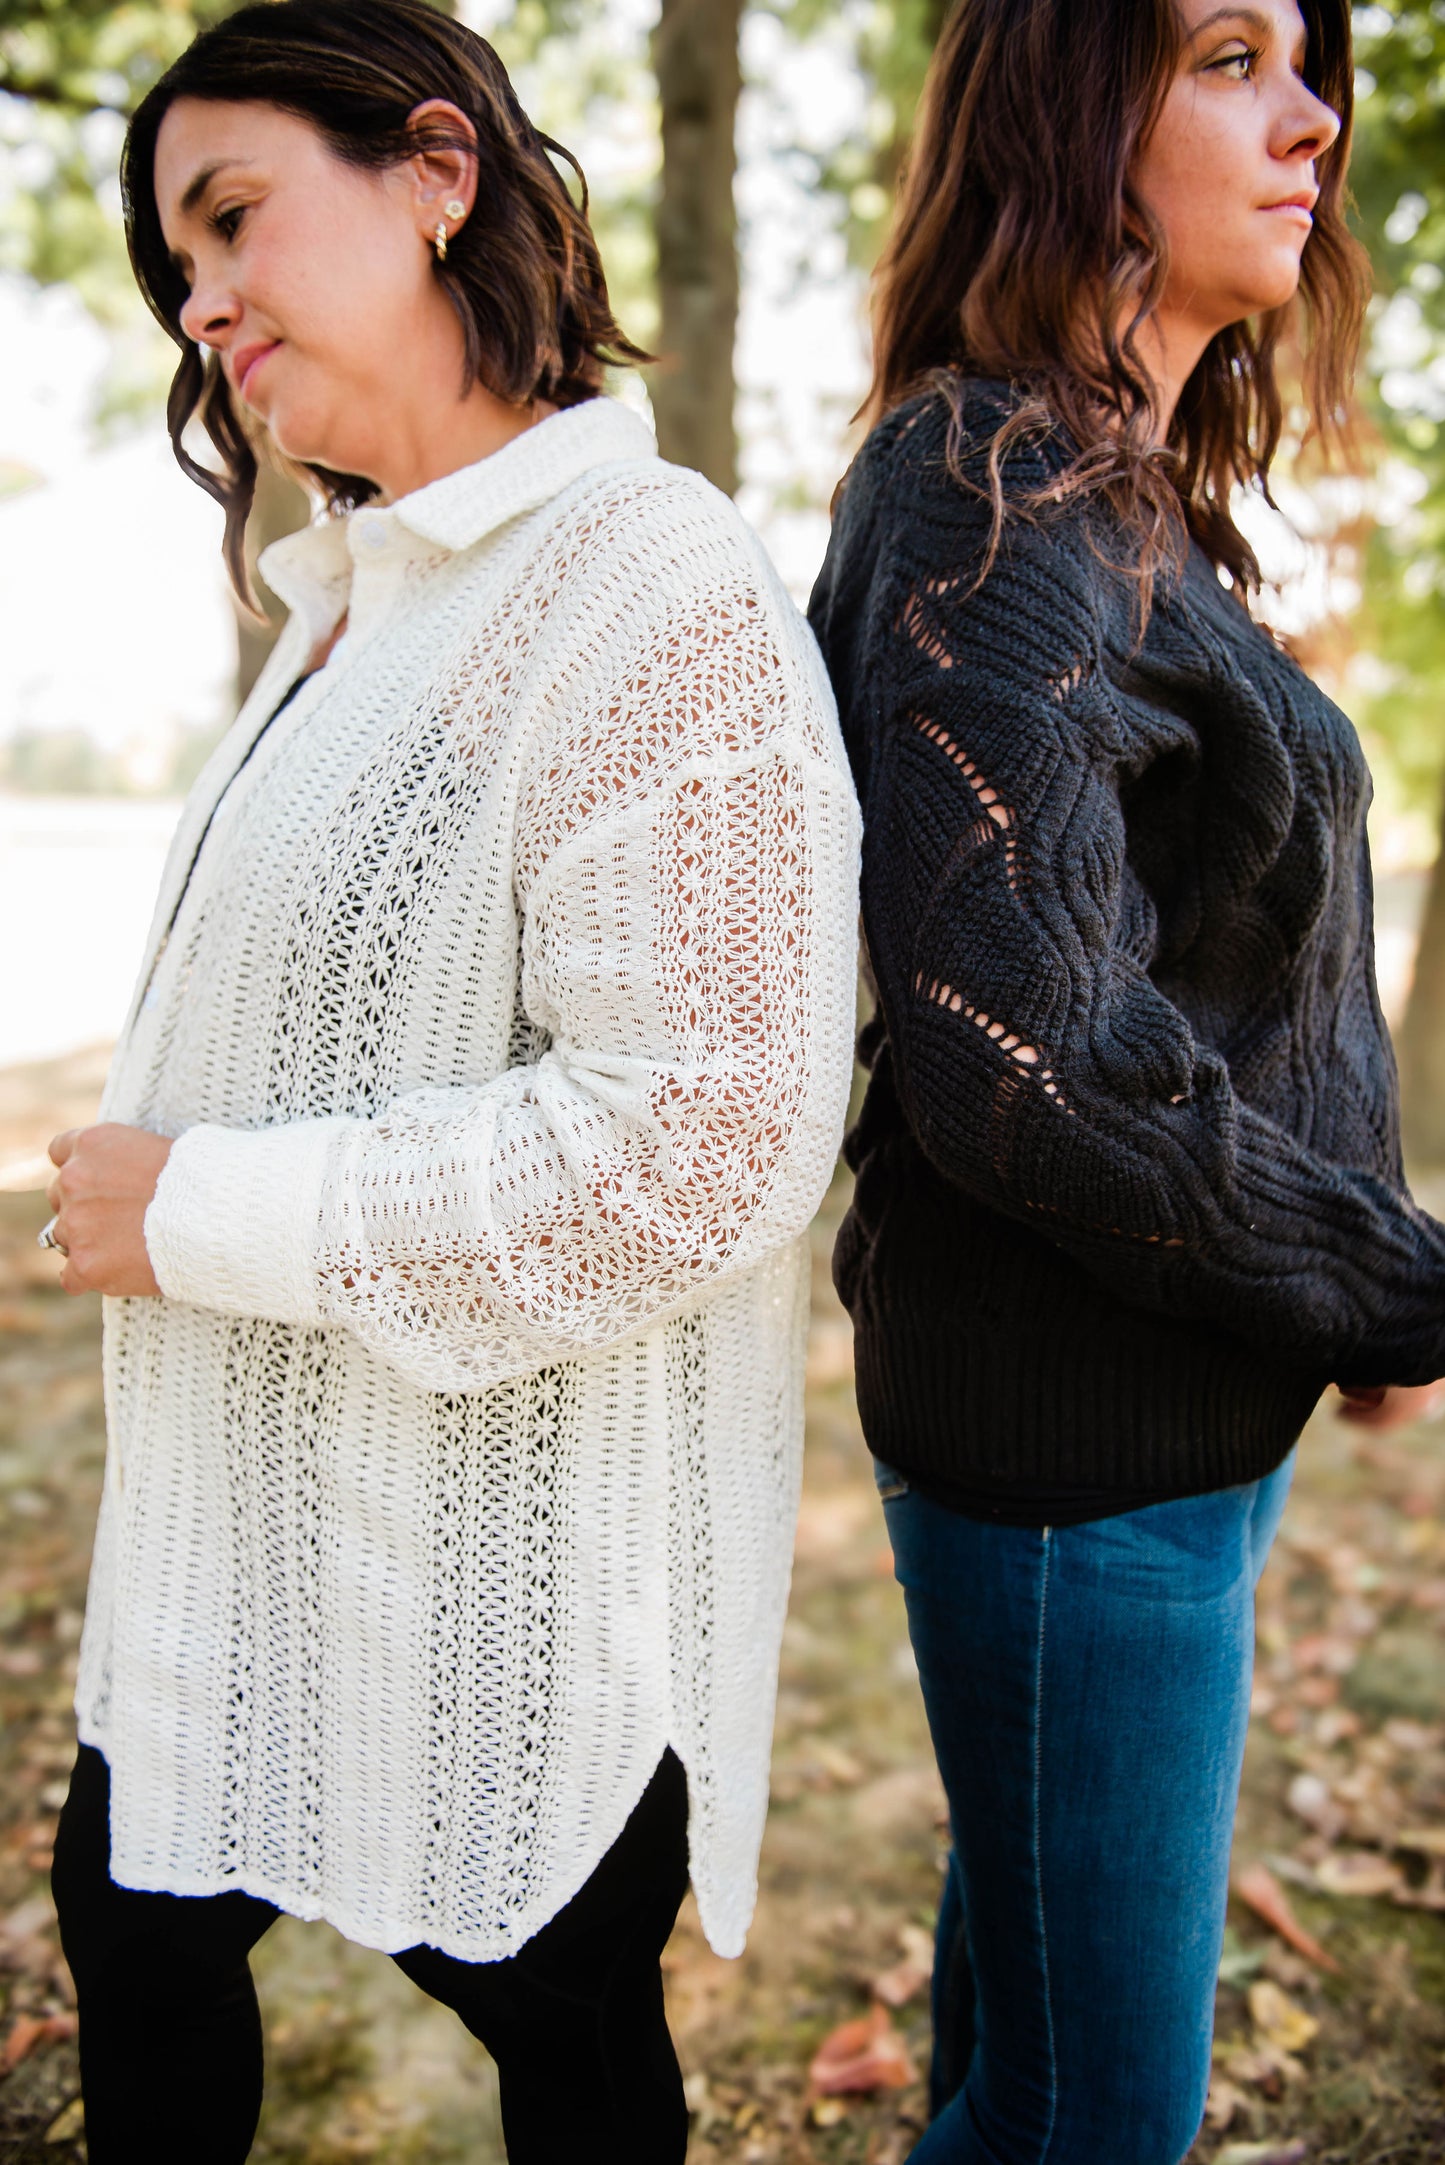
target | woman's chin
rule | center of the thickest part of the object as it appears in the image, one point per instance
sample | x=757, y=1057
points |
x=1261, y=297
x=303, y=445
x=1278, y=280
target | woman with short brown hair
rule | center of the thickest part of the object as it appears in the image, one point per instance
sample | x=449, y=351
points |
x=487, y=1065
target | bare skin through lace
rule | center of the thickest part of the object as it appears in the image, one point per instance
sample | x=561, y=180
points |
x=988, y=798
x=914, y=620
x=998, y=823
x=1068, y=681
x=1028, y=1056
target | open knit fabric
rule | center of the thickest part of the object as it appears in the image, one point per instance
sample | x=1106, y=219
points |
x=1129, y=1183
x=500, y=993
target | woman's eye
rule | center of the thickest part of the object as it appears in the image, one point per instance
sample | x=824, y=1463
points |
x=1239, y=66
x=226, y=222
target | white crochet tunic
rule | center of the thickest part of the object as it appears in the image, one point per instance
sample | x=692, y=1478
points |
x=500, y=993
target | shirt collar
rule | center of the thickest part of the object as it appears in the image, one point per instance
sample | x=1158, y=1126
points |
x=311, y=571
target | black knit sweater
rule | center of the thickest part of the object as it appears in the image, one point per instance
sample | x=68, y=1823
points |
x=1129, y=1186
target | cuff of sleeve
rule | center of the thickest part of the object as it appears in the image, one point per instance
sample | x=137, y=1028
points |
x=235, y=1221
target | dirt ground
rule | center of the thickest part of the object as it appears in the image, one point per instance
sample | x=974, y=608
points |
x=1329, y=2059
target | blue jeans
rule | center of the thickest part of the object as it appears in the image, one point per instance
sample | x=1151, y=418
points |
x=1087, y=1688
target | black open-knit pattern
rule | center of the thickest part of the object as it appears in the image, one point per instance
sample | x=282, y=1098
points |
x=1129, y=1180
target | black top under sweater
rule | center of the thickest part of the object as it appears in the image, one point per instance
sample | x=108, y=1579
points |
x=1129, y=1190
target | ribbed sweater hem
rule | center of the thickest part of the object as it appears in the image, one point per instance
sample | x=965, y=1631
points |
x=985, y=1357
x=1010, y=1412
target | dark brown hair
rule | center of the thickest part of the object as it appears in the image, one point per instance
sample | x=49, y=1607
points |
x=523, y=273
x=1017, y=203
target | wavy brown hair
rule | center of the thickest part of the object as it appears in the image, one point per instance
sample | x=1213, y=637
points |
x=1017, y=203
x=523, y=274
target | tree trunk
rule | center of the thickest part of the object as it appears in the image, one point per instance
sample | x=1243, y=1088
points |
x=1421, y=1044
x=699, y=80
x=280, y=507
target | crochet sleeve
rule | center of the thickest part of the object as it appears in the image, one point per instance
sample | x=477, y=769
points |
x=685, y=865
x=1037, y=1063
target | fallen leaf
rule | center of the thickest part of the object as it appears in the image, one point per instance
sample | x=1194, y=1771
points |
x=866, y=2054
x=837, y=1762
x=1262, y=2153
x=70, y=2125
x=1317, y=1691
x=1225, y=2100
x=29, y=2031
x=1265, y=2068
x=1238, y=1963
x=1334, y=1651
x=24, y=2036
x=1258, y=1888
x=1411, y=1736
x=1309, y=1798
x=828, y=2111
x=1295, y=1869
x=698, y=2100
x=1359, y=1872
x=1423, y=1841
x=1429, y=1896
x=898, y=1985
x=1281, y=2021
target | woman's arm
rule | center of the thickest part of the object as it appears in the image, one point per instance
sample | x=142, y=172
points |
x=1037, y=1063
x=686, y=863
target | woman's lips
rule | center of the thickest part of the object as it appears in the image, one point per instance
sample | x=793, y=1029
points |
x=1300, y=213
x=247, y=363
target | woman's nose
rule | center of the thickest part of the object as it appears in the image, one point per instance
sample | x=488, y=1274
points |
x=208, y=314
x=1312, y=126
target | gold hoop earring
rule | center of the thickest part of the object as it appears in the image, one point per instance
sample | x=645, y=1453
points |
x=440, y=242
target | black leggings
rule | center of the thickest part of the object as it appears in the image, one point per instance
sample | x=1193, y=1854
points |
x=170, y=2032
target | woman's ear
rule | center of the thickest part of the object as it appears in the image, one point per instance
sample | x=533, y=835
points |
x=443, y=168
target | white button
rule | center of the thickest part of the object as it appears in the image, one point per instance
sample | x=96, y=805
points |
x=374, y=536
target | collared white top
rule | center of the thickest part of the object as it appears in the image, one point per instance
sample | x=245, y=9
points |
x=500, y=995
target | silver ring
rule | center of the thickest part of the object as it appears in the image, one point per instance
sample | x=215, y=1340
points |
x=45, y=1238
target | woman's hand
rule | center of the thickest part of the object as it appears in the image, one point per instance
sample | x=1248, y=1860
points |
x=100, y=1194
x=1386, y=1406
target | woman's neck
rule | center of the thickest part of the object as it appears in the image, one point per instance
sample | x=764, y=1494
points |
x=1171, y=346
x=431, y=442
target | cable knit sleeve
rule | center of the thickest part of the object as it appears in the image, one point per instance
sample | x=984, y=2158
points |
x=1038, y=1063
x=684, y=866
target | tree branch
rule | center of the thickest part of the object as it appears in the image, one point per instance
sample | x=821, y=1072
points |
x=50, y=91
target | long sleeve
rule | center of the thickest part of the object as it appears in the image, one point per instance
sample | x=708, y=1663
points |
x=684, y=863
x=1038, y=1063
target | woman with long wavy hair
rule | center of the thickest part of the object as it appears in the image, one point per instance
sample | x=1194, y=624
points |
x=1129, y=1189
x=487, y=1063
